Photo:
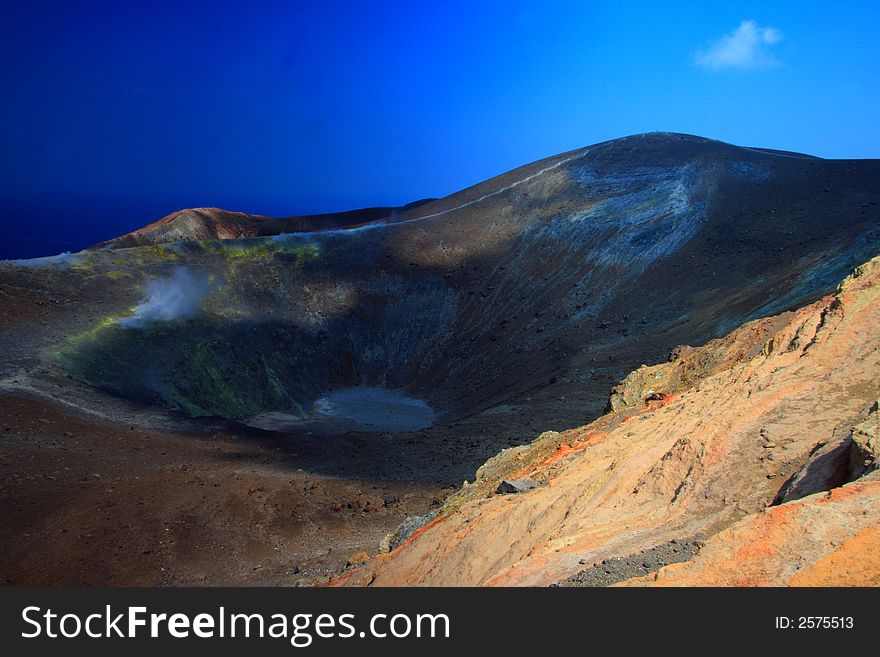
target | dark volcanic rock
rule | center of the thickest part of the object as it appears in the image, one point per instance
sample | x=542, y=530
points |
x=516, y=485
x=618, y=569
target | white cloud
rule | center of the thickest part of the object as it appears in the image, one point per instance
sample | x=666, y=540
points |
x=748, y=46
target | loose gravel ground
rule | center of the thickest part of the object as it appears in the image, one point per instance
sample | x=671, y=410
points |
x=618, y=569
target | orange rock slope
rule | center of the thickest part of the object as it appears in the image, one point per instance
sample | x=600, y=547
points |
x=761, y=447
x=826, y=539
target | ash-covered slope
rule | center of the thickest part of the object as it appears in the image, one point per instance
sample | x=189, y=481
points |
x=763, y=445
x=217, y=224
x=526, y=296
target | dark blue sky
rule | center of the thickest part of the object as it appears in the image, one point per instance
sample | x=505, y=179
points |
x=117, y=113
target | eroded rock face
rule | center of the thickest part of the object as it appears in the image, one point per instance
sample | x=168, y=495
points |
x=849, y=454
x=826, y=539
x=864, y=455
x=782, y=407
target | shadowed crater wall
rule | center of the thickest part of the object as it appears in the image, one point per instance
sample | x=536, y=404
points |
x=560, y=276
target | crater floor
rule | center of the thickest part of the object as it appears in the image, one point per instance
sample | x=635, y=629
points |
x=350, y=410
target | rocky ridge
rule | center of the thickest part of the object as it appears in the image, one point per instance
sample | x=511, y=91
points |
x=762, y=446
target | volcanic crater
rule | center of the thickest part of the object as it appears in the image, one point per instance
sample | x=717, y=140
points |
x=411, y=345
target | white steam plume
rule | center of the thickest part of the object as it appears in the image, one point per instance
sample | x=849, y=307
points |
x=179, y=296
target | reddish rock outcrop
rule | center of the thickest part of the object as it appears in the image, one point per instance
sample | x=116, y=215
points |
x=214, y=223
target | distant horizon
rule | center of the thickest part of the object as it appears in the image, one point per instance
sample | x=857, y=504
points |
x=122, y=113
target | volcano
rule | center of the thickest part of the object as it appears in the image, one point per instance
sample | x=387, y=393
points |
x=214, y=223
x=485, y=317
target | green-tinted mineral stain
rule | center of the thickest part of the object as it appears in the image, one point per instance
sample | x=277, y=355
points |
x=84, y=265
x=275, y=385
x=233, y=254
x=154, y=253
x=207, y=380
x=207, y=388
x=373, y=352
x=260, y=251
x=202, y=377
x=178, y=399
x=84, y=358
x=123, y=263
x=72, y=343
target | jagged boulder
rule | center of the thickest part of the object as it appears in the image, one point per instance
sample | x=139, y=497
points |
x=516, y=485
x=865, y=452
